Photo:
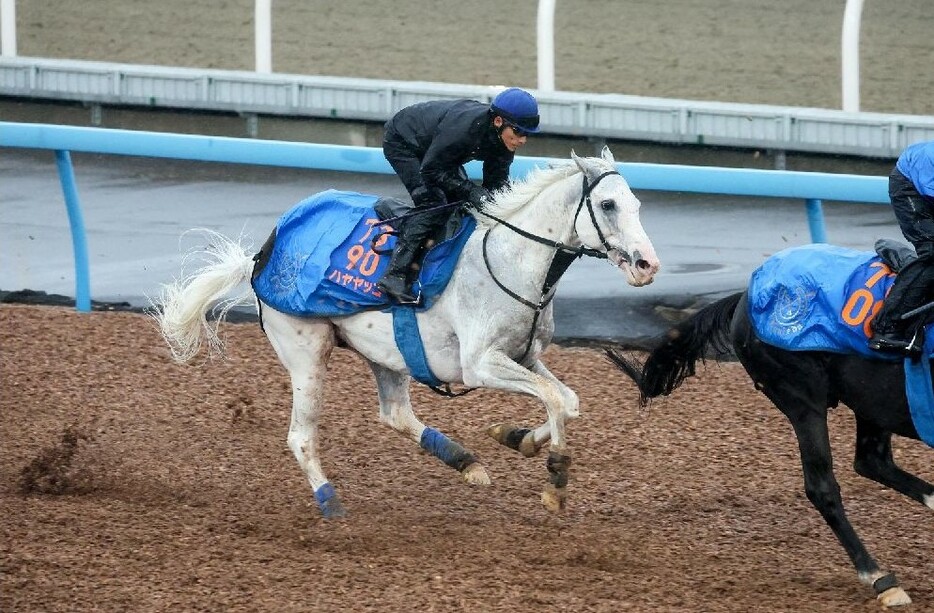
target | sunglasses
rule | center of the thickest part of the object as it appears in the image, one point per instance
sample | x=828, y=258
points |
x=517, y=129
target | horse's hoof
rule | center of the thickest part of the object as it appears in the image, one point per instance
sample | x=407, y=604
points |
x=554, y=499
x=333, y=509
x=500, y=432
x=893, y=597
x=514, y=437
x=475, y=474
x=527, y=447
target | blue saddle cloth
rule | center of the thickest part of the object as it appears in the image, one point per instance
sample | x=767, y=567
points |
x=329, y=252
x=822, y=298
x=325, y=260
x=819, y=297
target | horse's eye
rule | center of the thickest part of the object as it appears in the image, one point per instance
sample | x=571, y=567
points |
x=608, y=205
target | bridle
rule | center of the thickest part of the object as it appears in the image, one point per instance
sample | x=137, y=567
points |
x=564, y=255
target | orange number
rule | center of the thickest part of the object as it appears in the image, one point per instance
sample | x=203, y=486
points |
x=371, y=223
x=867, y=329
x=370, y=262
x=850, y=314
x=353, y=256
x=884, y=271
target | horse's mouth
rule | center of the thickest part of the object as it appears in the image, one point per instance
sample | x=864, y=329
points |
x=638, y=273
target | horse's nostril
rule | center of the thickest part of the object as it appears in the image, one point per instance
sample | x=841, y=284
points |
x=643, y=265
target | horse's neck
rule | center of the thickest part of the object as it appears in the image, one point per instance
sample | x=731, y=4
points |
x=520, y=262
x=550, y=214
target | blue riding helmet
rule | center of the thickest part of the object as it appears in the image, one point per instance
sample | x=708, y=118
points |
x=518, y=108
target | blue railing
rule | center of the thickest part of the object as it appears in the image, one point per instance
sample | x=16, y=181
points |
x=812, y=187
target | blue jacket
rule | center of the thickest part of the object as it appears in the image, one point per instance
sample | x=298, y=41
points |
x=917, y=164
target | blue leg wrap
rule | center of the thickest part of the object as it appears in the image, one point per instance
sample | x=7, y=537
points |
x=446, y=450
x=328, y=501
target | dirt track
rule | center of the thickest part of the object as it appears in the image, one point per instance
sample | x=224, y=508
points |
x=156, y=487
x=153, y=487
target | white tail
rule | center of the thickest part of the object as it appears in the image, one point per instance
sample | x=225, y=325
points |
x=183, y=305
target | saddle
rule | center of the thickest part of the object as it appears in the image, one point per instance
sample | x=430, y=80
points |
x=896, y=254
x=396, y=212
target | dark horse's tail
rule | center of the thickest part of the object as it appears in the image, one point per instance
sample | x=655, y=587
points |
x=673, y=360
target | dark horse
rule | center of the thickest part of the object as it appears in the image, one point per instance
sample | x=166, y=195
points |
x=803, y=385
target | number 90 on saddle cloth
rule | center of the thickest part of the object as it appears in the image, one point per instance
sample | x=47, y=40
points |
x=327, y=252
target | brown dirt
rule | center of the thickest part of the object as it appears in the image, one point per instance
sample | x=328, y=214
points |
x=756, y=51
x=130, y=483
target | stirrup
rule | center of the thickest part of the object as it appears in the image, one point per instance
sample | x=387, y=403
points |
x=883, y=342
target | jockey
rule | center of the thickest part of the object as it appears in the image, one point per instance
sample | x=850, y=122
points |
x=911, y=190
x=427, y=145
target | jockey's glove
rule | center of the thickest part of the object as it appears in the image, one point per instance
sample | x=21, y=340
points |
x=479, y=196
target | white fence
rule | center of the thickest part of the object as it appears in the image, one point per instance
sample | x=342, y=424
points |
x=563, y=113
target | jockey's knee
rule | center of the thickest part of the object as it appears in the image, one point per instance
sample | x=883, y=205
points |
x=925, y=251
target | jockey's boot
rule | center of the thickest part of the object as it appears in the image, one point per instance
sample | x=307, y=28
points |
x=397, y=282
x=892, y=341
x=912, y=289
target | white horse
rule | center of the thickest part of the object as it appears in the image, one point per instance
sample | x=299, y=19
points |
x=487, y=329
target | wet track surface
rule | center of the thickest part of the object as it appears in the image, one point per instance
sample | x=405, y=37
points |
x=136, y=212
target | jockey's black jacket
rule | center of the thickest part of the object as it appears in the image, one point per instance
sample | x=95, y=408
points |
x=444, y=135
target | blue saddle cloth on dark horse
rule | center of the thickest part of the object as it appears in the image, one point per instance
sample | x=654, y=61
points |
x=328, y=253
x=822, y=298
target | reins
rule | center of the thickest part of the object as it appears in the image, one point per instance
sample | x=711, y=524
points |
x=563, y=256
x=422, y=211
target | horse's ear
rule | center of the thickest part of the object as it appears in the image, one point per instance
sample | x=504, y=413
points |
x=581, y=162
x=607, y=155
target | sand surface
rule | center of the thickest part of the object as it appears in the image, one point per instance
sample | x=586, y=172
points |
x=128, y=483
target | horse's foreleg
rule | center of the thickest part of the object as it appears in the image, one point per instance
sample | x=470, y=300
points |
x=823, y=491
x=496, y=370
x=303, y=347
x=559, y=463
x=874, y=461
x=529, y=441
x=395, y=410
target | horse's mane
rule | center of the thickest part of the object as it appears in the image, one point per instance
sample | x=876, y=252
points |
x=520, y=192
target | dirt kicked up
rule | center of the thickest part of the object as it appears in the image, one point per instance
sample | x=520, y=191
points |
x=130, y=483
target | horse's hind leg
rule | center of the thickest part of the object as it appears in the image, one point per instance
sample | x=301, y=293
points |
x=824, y=493
x=874, y=461
x=395, y=410
x=303, y=347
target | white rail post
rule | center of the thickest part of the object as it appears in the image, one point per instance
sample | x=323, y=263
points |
x=8, y=28
x=263, y=34
x=852, y=16
x=546, y=45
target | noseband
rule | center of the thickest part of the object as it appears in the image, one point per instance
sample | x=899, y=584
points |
x=563, y=255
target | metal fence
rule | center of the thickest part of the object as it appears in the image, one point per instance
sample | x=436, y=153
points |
x=614, y=116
